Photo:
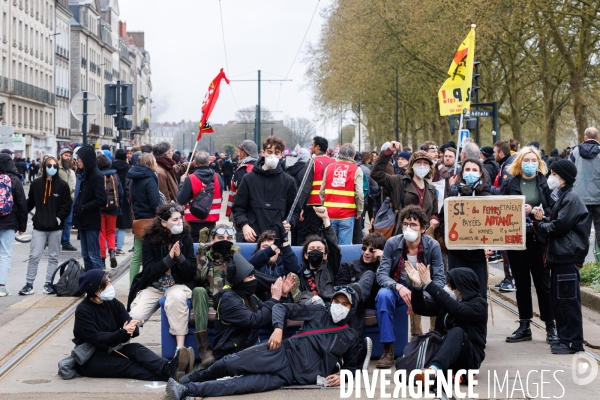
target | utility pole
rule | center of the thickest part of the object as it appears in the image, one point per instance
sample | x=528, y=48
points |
x=85, y=114
x=341, y=116
x=397, y=127
x=257, y=140
x=359, y=124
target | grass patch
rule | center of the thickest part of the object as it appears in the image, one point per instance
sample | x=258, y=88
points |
x=590, y=276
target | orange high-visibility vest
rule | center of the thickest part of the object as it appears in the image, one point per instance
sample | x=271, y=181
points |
x=339, y=189
x=233, y=190
x=215, y=209
x=320, y=164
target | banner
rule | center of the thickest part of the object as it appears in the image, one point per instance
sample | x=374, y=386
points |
x=455, y=93
x=489, y=222
x=440, y=191
x=210, y=99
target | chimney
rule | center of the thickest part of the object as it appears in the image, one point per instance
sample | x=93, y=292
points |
x=123, y=30
x=131, y=42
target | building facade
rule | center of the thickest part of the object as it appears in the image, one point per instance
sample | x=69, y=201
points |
x=27, y=96
x=62, y=76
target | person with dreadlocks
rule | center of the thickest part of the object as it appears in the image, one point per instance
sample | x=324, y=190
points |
x=51, y=198
x=240, y=313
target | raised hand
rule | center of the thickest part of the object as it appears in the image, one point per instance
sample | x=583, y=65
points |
x=424, y=273
x=412, y=273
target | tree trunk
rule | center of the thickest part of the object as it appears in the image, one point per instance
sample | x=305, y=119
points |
x=579, y=108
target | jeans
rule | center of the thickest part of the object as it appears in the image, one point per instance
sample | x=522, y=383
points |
x=66, y=233
x=90, y=249
x=120, y=238
x=387, y=301
x=7, y=241
x=344, y=228
x=36, y=250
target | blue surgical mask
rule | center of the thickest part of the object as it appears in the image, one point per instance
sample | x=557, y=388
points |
x=51, y=171
x=529, y=168
x=471, y=177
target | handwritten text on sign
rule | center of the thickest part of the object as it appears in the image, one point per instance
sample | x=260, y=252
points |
x=491, y=222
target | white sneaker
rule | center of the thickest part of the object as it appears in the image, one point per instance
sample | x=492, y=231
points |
x=4, y=291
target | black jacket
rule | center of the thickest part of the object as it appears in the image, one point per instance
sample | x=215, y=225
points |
x=297, y=172
x=124, y=221
x=236, y=325
x=264, y=198
x=567, y=230
x=227, y=168
x=286, y=262
x=156, y=261
x=326, y=273
x=91, y=196
x=51, y=199
x=17, y=219
x=492, y=167
x=351, y=271
x=21, y=167
x=310, y=356
x=470, y=314
x=206, y=175
x=144, y=191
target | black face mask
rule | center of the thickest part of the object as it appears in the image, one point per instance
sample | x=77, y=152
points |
x=315, y=258
x=245, y=289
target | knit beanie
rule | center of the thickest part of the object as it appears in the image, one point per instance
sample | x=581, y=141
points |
x=121, y=154
x=566, y=170
x=404, y=154
x=90, y=281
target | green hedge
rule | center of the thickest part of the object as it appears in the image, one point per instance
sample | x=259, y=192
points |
x=590, y=276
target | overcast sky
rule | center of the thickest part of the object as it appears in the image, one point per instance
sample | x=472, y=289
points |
x=186, y=47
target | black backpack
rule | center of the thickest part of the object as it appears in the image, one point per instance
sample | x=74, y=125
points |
x=201, y=204
x=68, y=281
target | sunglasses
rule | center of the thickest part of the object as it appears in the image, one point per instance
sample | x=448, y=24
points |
x=346, y=289
x=369, y=249
x=222, y=231
x=51, y=166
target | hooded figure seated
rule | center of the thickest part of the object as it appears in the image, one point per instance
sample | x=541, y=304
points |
x=324, y=343
x=462, y=316
x=240, y=314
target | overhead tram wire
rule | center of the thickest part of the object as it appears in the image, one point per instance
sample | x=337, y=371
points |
x=298, y=52
x=225, y=52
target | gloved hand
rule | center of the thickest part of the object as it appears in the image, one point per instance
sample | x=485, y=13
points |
x=282, y=234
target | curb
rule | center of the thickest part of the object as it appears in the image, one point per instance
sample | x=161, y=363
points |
x=590, y=299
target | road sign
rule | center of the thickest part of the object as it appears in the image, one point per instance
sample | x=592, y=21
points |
x=463, y=137
x=94, y=106
x=481, y=113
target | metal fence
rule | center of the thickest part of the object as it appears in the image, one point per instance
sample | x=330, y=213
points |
x=18, y=88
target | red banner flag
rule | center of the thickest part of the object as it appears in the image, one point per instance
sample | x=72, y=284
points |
x=210, y=99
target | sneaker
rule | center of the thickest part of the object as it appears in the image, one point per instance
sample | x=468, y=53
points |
x=68, y=247
x=368, y=345
x=48, y=288
x=120, y=252
x=131, y=249
x=507, y=286
x=561, y=348
x=4, y=291
x=27, y=289
x=113, y=258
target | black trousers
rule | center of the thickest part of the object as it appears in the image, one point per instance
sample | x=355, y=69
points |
x=227, y=181
x=135, y=361
x=357, y=322
x=595, y=211
x=566, y=303
x=527, y=264
x=359, y=224
x=473, y=259
x=262, y=370
x=196, y=227
x=456, y=353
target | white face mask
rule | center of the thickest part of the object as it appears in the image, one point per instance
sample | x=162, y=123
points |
x=421, y=171
x=271, y=162
x=410, y=235
x=176, y=229
x=553, y=182
x=338, y=312
x=450, y=293
x=108, y=294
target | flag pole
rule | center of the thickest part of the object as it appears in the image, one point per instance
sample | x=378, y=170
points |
x=192, y=157
x=460, y=124
x=299, y=193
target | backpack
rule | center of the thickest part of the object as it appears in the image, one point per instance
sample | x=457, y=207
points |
x=419, y=353
x=201, y=204
x=385, y=220
x=112, y=194
x=68, y=281
x=6, y=196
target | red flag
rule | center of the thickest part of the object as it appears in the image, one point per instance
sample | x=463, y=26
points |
x=210, y=99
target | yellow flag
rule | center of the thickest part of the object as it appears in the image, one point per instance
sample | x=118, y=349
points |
x=455, y=94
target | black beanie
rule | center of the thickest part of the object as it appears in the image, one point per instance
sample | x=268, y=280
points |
x=121, y=154
x=90, y=281
x=238, y=269
x=566, y=170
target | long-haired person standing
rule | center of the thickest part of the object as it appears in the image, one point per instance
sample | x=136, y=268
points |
x=528, y=179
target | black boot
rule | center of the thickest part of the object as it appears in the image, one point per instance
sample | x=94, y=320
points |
x=523, y=333
x=176, y=391
x=171, y=367
x=551, y=335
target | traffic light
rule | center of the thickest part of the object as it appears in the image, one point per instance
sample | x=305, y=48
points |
x=127, y=98
x=122, y=123
x=453, y=121
x=110, y=99
x=475, y=83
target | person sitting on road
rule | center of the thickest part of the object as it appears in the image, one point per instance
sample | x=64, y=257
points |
x=322, y=255
x=240, y=314
x=411, y=247
x=169, y=268
x=324, y=343
x=461, y=316
x=103, y=322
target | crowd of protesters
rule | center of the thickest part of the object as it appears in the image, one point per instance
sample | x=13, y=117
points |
x=172, y=204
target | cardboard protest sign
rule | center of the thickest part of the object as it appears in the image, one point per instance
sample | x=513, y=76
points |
x=490, y=222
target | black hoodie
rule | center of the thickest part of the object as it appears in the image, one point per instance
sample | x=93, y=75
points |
x=317, y=354
x=17, y=219
x=470, y=314
x=264, y=198
x=92, y=196
x=51, y=199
